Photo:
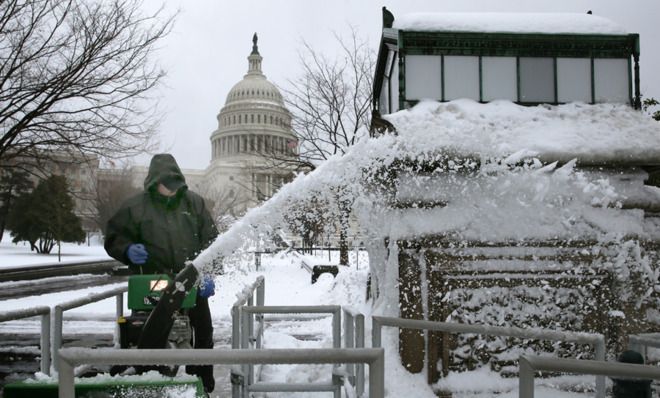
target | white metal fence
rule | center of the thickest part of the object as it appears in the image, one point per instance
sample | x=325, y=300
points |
x=69, y=358
x=251, y=337
x=529, y=365
x=596, y=340
x=44, y=312
x=58, y=320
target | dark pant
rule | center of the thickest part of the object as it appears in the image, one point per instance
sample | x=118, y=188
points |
x=200, y=320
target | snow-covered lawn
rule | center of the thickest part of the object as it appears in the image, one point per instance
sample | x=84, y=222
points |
x=19, y=254
x=287, y=283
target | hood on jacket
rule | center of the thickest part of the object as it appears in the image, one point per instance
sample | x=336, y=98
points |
x=164, y=169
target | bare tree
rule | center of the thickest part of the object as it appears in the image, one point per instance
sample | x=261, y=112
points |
x=331, y=106
x=331, y=99
x=74, y=77
x=112, y=190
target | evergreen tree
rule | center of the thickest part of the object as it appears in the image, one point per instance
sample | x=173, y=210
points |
x=46, y=217
x=13, y=183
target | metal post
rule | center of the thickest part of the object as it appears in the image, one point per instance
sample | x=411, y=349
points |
x=376, y=333
x=261, y=291
x=235, y=327
x=45, y=343
x=260, y=302
x=359, y=336
x=377, y=377
x=599, y=347
x=246, y=368
x=525, y=379
x=67, y=388
x=57, y=336
x=349, y=342
x=119, y=313
x=336, y=328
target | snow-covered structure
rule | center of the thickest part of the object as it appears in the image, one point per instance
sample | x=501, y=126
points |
x=520, y=196
x=523, y=57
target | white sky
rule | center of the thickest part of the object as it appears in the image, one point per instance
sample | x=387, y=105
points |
x=206, y=53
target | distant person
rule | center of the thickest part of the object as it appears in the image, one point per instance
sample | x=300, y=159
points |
x=157, y=231
x=631, y=388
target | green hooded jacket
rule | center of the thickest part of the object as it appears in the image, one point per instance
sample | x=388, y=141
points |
x=173, y=229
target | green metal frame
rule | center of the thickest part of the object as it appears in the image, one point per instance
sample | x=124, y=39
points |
x=517, y=44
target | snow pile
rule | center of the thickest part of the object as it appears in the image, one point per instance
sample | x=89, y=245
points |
x=145, y=391
x=508, y=23
x=594, y=134
x=504, y=172
x=503, y=203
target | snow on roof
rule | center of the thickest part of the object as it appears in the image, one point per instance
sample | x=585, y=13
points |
x=543, y=199
x=509, y=22
x=594, y=134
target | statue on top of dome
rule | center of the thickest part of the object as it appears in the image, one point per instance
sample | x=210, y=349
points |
x=255, y=49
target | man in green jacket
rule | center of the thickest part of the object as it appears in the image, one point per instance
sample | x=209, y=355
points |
x=160, y=229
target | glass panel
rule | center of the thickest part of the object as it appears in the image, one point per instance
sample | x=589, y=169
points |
x=384, y=98
x=573, y=79
x=394, y=86
x=611, y=80
x=461, y=77
x=499, y=78
x=537, y=80
x=423, y=77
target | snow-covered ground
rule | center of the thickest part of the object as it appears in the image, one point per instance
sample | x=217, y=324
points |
x=19, y=254
x=287, y=283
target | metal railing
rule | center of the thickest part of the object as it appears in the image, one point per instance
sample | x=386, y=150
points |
x=640, y=342
x=354, y=338
x=72, y=357
x=596, y=340
x=528, y=365
x=44, y=312
x=249, y=336
x=245, y=298
x=303, y=263
x=117, y=292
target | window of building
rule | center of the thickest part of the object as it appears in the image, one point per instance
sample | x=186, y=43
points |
x=537, y=79
x=612, y=80
x=262, y=186
x=428, y=66
x=498, y=78
x=461, y=77
x=574, y=79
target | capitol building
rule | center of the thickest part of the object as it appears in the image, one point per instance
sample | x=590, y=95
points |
x=253, y=149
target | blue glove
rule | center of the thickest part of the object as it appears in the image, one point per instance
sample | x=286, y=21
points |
x=206, y=287
x=137, y=253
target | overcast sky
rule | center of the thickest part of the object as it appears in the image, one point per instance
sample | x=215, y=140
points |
x=206, y=53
